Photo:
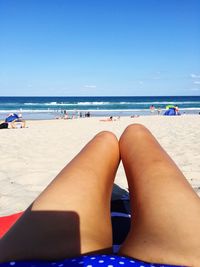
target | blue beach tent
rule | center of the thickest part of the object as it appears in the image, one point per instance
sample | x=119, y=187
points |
x=12, y=117
x=170, y=112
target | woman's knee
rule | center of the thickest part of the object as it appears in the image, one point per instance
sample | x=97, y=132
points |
x=107, y=138
x=133, y=132
x=135, y=128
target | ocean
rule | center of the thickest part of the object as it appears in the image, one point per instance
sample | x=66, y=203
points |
x=53, y=107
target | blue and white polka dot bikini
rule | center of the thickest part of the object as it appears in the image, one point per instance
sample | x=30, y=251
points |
x=88, y=261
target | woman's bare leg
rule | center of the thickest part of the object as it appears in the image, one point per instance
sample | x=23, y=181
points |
x=72, y=215
x=165, y=224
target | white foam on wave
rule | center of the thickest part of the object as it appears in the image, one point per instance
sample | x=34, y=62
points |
x=189, y=108
x=160, y=103
x=68, y=104
x=93, y=103
x=101, y=103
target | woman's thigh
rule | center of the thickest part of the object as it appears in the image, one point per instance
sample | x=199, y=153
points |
x=72, y=215
x=165, y=209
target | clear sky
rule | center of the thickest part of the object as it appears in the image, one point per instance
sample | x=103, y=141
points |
x=99, y=47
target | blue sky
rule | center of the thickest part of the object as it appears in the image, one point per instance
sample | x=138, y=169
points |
x=99, y=47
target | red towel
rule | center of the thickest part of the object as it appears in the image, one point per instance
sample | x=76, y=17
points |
x=7, y=221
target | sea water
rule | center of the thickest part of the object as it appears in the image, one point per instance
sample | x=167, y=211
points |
x=53, y=107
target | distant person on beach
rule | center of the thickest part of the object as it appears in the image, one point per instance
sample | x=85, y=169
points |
x=18, y=122
x=152, y=108
x=14, y=121
x=66, y=116
x=135, y=116
x=159, y=110
x=108, y=119
x=69, y=223
x=87, y=114
x=177, y=110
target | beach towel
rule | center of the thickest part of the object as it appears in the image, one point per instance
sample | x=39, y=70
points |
x=7, y=221
x=120, y=217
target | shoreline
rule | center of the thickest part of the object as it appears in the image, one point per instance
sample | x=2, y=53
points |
x=94, y=114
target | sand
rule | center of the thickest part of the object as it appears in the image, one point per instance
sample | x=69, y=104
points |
x=31, y=157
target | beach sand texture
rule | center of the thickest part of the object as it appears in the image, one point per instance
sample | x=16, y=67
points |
x=31, y=157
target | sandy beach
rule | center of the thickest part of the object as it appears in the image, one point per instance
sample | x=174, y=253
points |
x=31, y=157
